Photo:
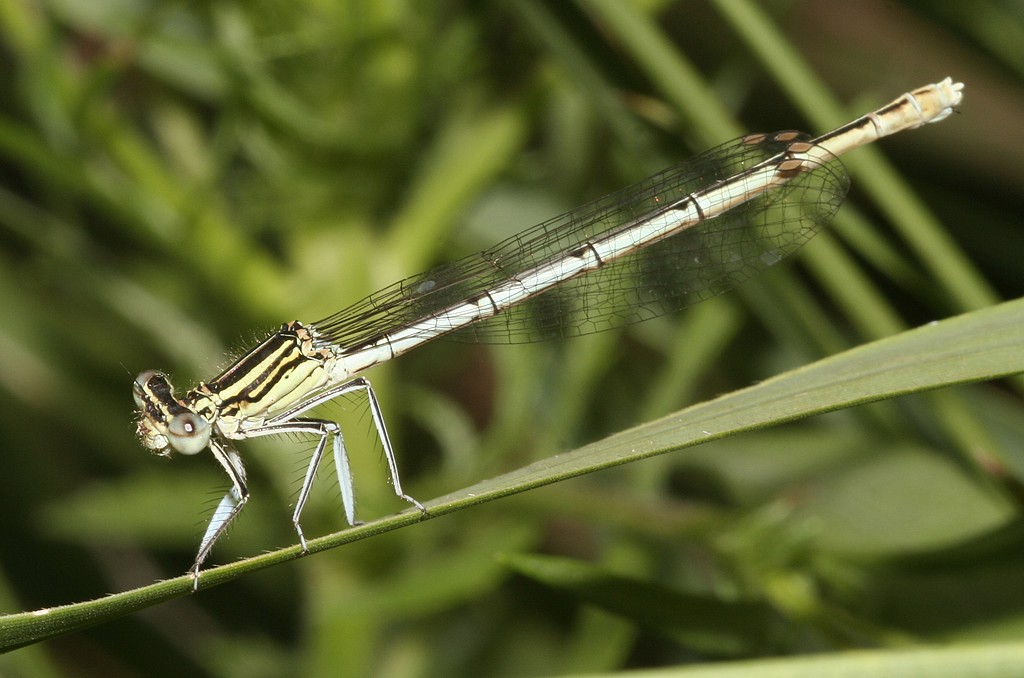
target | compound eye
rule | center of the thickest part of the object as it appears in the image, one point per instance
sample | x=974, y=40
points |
x=141, y=384
x=189, y=433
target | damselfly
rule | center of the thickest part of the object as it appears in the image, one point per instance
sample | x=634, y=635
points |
x=681, y=236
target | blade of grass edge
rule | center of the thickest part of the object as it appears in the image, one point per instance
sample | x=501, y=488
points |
x=987, y=660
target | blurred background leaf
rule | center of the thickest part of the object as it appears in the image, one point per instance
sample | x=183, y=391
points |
x=180, y=178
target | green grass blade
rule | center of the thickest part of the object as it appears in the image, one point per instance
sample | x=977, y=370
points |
x=981, y=345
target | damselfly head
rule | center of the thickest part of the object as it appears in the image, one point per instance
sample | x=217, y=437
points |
x=165, y=425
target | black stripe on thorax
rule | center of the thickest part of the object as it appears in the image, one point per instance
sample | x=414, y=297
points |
x=260, y=370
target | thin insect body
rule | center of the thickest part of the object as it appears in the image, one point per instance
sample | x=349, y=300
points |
x=677, y=238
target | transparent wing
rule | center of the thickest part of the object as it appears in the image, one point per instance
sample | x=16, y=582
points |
x=673, y=273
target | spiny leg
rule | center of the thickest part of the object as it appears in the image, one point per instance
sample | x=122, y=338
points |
x=360, y=383
x=281, y=423
x=323, y=429
x=344, y=470
x=228, y=509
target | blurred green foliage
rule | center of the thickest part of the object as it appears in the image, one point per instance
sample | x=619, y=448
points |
x=179, y=178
